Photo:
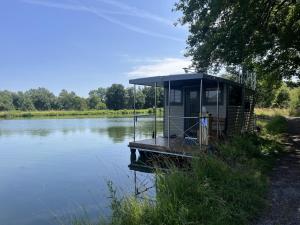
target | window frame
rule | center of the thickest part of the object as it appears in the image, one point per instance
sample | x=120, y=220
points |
x=173, y=96
x=221, y=95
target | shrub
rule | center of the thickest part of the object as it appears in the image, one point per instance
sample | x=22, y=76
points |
x=277, y=125
x=282, y=98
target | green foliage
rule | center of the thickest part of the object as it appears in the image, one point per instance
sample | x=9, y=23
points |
x=101, y=106
x=70, y=101
x=282, y=97
x=149, y=93
x=227, y=188
x=139, y=98
x=295, y=102
x=22, y=102
x=41, y=98
x=93, y=102
x=266, y=93
x=97, y=99
x=277, y=125
x=262, y=36
x=115, y=97
x=279, y=95
x=6, y=101
x=100, y=93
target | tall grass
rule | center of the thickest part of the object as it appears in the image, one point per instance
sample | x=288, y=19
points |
x=226, y=188
x=270, y=112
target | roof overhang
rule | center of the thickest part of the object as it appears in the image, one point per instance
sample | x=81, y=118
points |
x=163, y=80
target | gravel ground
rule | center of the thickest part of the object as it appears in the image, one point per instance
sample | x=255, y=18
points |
x=284, y=195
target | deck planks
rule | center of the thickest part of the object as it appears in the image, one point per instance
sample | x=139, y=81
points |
x=178, y=146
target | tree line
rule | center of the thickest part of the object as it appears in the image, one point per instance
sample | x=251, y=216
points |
x=114, y=97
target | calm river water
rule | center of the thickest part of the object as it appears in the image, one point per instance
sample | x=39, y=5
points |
x=54, y=169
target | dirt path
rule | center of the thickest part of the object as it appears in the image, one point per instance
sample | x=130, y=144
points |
x=284, y=196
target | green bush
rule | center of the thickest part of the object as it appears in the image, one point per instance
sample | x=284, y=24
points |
x=282, y=98
x=277, y=125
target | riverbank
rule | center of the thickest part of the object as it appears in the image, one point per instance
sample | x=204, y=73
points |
x=229, y=186
x=268, y=112
x=85, y=113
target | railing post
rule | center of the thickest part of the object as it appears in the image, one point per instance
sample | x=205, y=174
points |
x=155, y=108
x=134, y=112
x=169, y=96
x=209, y=127
x=200, y=114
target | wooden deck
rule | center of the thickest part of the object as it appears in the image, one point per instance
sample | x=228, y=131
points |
x=178, y=146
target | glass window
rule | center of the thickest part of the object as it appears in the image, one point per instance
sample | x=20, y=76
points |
x=176, y=97
x=193, y=95
x=210, y=96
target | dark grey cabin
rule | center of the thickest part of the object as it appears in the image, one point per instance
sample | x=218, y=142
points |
x=198, y=109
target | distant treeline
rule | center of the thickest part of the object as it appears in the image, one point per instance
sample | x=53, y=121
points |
x=115, y=97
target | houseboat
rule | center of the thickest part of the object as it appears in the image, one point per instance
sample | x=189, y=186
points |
x=199, y=110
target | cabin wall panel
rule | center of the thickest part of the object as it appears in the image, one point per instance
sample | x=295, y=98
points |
x=176, y=124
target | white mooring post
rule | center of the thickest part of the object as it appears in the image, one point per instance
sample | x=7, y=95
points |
x=200, y=114
x=169, y=96
x=134, y=113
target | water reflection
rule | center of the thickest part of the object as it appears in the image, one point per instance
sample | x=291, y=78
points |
x=53, y=166
x=117, y=129
x=150, y=163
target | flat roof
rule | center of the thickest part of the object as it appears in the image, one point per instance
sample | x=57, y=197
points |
x=162, y=80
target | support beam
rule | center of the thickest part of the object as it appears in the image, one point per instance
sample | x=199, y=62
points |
x=136, y=192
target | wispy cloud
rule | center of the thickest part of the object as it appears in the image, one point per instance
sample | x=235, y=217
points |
x=133, y=11
x=106, y=14
x=61, y=5
x=161, y=67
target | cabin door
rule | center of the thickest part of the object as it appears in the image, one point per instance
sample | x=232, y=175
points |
x=192, y=109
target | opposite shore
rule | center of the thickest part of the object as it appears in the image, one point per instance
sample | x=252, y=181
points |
x=14, y=114
x=76, y=113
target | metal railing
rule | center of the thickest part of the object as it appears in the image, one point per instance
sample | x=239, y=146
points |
x=143, y=116
x=197, y=133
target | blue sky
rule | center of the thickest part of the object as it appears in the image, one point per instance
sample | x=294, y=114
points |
x=80, y=45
